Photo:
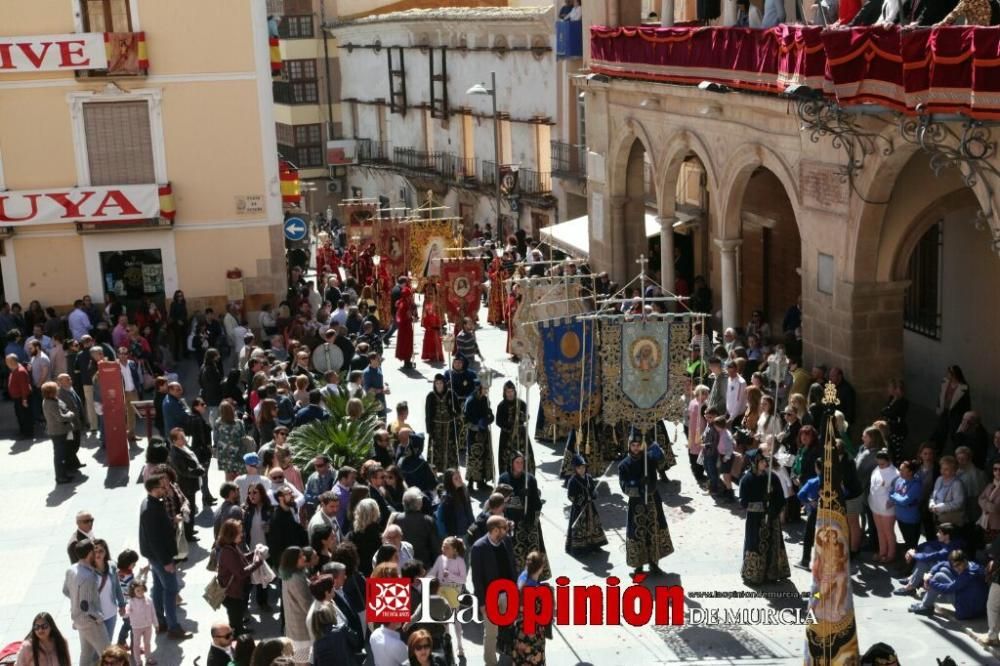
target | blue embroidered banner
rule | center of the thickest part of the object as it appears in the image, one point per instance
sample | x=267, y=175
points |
x=645, y=361
x=567, y=364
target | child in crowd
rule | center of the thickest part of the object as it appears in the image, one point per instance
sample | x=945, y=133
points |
x=142, y=616
x=450, y=571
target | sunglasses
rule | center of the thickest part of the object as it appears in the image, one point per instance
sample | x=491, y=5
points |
x=86, y=520
x=229, y=635
x=41, y=627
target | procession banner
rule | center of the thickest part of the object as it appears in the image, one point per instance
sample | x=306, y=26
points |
x=393, y=244
x=642, y=370
x=568, y=374
x=462, y=281
x=429, y=242
x=542, y=298
x=833, y=639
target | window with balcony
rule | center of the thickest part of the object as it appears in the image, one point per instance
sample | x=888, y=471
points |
x=301, y=144
x=119, y=143
x=299, y=85
x=106, y=15
x=296, y=27
x=922, y=301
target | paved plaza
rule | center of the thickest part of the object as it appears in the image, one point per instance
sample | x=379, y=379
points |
x=38, y=519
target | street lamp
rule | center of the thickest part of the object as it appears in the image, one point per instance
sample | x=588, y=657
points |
x=481, y=89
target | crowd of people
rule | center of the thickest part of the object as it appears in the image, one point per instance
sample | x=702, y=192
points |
x=296, y=537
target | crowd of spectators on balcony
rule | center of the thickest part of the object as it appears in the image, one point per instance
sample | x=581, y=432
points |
x=854, y=13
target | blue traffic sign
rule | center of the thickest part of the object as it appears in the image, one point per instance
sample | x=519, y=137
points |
x=295, y=229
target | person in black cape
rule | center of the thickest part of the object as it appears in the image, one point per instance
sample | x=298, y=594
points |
x=764, y=556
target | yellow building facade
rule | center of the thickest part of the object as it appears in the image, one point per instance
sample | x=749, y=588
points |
x=137, y=153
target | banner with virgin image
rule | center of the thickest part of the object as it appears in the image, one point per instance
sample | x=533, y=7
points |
x=461, y=281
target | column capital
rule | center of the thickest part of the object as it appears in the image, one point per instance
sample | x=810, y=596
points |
x=728, y=244
x=666, y=222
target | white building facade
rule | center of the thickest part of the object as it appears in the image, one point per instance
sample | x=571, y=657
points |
x=405, y=78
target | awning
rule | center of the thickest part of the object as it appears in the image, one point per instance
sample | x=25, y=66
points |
x=573, y=236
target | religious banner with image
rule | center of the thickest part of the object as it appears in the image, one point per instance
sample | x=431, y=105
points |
x=429, y=244
x=568, y=373
x=461, y=281
x=832, y=638
x=393, y=241
x=642, y=367
x=542, y=298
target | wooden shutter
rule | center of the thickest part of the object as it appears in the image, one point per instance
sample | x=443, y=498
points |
x=119, y=144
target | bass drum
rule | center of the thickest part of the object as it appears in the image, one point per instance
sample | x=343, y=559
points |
x=326, y=357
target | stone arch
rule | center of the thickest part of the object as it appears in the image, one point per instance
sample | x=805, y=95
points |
x=741, y=165
x=681, y=144
x=869, y=260
x=619, y=150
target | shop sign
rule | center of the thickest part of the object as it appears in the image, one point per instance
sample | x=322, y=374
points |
x=53, y=53
x=80, y=204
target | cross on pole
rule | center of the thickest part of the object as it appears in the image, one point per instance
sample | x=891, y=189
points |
x=642, y=261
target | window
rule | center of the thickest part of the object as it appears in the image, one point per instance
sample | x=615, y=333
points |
x=302, y=75
x=106, y=15
x=119, y=143
x=296, y=27
x=302, y=144
x=922, y=301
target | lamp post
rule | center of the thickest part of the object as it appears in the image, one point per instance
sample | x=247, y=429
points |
x=481, y=89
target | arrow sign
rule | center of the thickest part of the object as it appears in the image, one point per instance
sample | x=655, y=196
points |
x=295, y=228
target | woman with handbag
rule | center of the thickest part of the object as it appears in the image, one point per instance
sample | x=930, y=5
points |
x=235, y=565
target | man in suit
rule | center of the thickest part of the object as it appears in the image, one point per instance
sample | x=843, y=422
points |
x=74, y=403
x=492, y=559
x=84, y=530
x=221, y=652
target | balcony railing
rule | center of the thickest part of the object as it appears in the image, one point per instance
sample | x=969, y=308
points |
x=569, y=39
x=488, y=173
x=568, y=160
x=467, y=172
x=374, y=152
x=534, y=183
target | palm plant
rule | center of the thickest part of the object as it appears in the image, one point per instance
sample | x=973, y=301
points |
x=345, y=441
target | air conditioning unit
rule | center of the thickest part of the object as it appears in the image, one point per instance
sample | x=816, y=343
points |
x=334, y=187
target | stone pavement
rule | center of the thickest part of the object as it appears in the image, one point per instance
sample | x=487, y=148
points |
x=38, y=519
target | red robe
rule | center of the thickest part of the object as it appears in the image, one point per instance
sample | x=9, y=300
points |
x=432, y=351
x=404, y=326
x=327, y=263
x=511, y=310
x=497, y=298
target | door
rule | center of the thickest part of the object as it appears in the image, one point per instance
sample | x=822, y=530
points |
x=134, y=276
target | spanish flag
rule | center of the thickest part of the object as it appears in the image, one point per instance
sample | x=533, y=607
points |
x=289, y=177
x=275, y=56
x=167, y=208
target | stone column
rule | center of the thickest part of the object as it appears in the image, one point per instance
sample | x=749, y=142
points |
x=619, y=271
x=666, y=13
x=730, y=290
x=667, y=277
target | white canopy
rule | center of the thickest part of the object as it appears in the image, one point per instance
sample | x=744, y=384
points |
x=573, y=236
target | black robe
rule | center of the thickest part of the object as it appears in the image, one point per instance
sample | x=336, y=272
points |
x=443, y=425
x=647, y=537
x=524, y=507
x=764, y=557
x=585, y=531
x=479, y=445
x=512, y=417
